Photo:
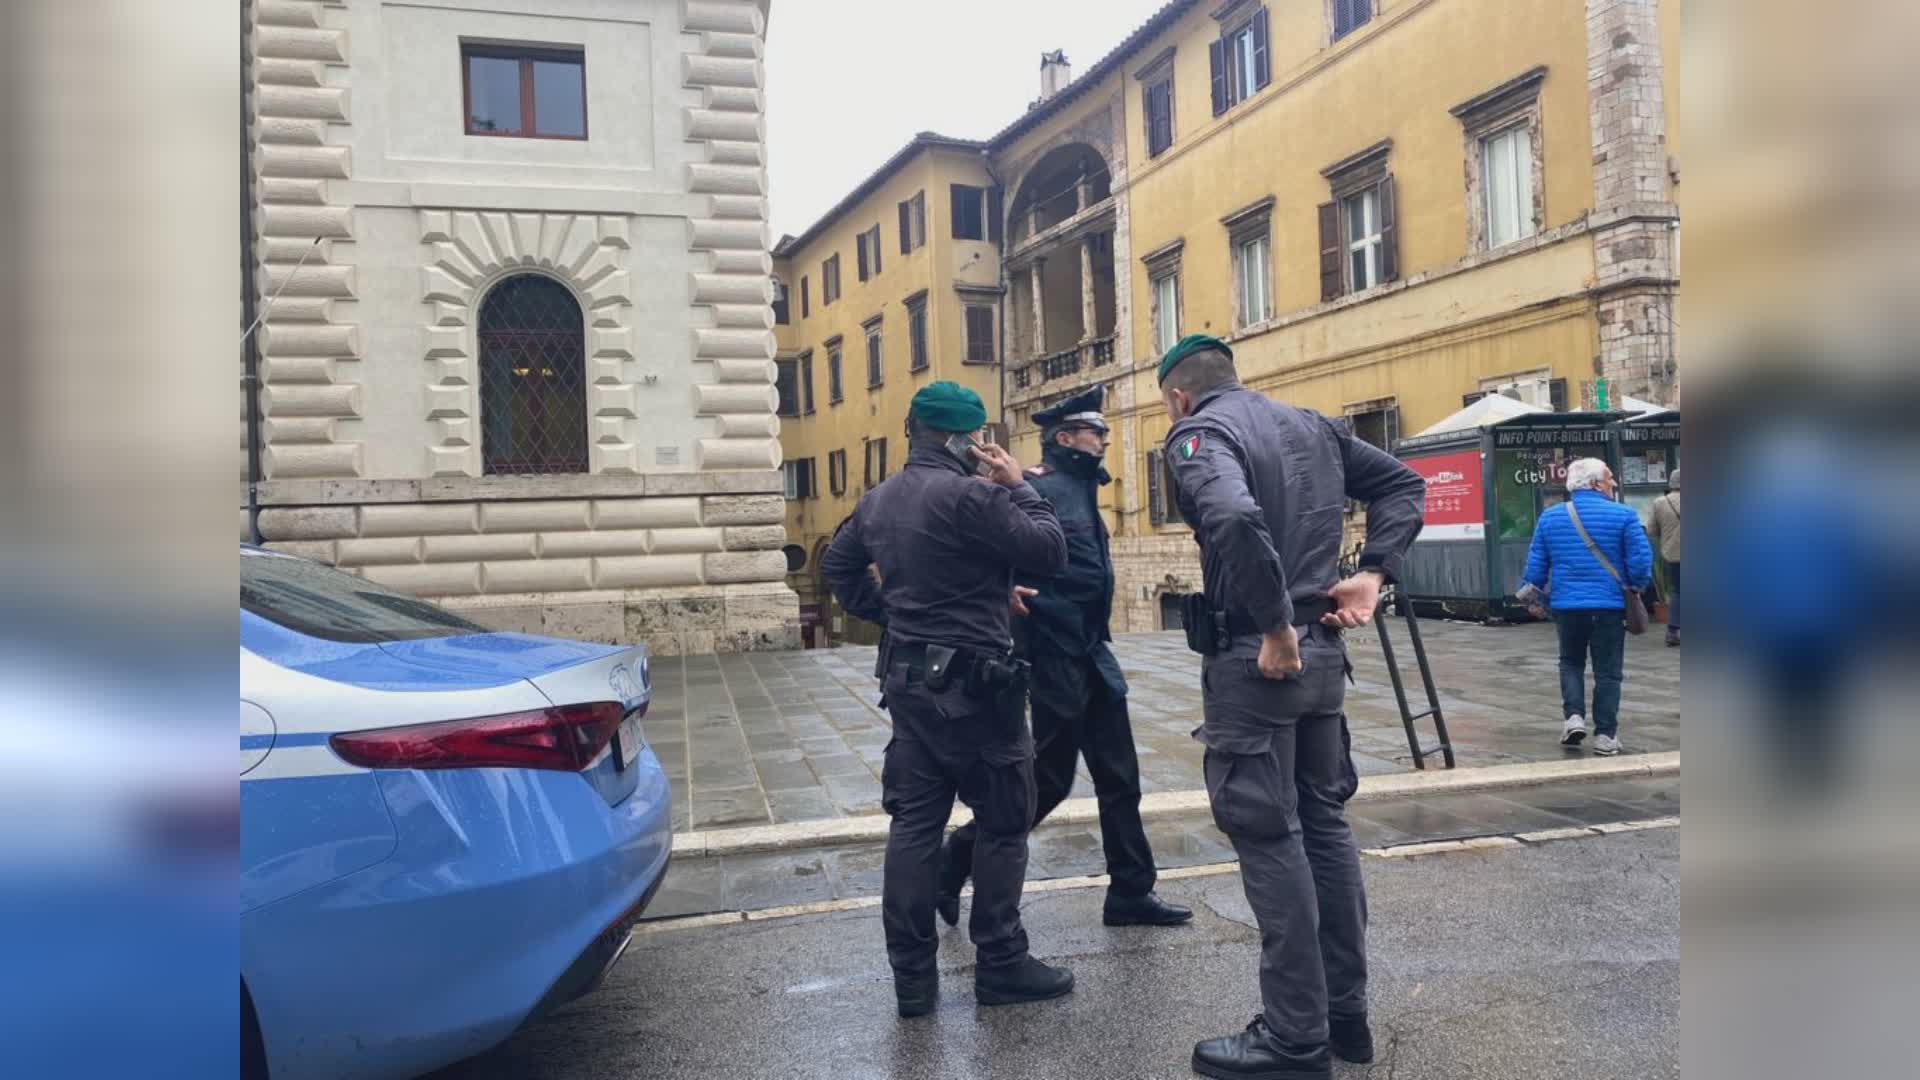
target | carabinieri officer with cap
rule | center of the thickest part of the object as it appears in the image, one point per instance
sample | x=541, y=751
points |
x=1265, y=486
x=1078, y=692
x=947, y=543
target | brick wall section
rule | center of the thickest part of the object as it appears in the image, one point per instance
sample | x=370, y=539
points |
x=1634, y=214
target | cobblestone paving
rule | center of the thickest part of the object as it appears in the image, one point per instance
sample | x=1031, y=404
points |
x=757, y=738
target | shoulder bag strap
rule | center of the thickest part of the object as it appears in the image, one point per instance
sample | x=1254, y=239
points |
x=1593, y=547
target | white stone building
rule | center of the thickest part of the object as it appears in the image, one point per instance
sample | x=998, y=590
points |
x=525, y=367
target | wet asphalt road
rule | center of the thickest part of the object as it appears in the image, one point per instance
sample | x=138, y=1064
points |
x=1549, y=961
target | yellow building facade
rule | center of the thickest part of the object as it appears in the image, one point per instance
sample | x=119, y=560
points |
x=896, y=287
x=1387, y=207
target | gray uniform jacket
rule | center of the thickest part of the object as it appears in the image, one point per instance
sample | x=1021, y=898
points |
x=1264, y=486
x=947, y=544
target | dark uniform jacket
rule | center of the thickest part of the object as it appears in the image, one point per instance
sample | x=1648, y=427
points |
x=1264, y=485
x=1069, y=616
x=947, y=544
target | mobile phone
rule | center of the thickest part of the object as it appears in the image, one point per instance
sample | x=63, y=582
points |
x=959, y=444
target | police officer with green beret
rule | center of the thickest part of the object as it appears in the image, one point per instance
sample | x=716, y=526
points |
x=948, y=533
x=1265, y=486
x=1078, y=692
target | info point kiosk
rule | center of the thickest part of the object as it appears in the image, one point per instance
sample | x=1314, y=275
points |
x=1491, y=470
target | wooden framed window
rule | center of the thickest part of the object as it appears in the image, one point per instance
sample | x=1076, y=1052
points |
x=876, y=368
x=837, y=472
x=1237, y=60
x=1163, y=503
x=1376, y=423
x=1505, y=189
x=1166, y=311
x=917, y=358
x=1157, y=103
x=806, y=383
x=806, y=308
x=787, y=382
x=867, y=253
x=980, y=344
x=969, y=212
x=1359, y=242
x=799, y=479
x=830, y=279
x=834, y=389
x=1349, y=15
x=524, y=91
x=1250, y=236
x=913, y=223
x=780, y=313
x=876, y=450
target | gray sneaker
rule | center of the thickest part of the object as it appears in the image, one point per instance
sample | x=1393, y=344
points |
x=1606, y=745
x=1574, y=731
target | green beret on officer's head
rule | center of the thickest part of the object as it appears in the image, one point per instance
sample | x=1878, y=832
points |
x=1186, y=347
x=948, y=406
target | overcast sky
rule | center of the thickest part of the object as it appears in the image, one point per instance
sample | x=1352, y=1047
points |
x=850, y=81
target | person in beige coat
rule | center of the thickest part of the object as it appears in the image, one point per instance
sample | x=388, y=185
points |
x=1663, y=528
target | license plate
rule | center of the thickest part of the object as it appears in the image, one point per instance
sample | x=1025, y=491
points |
x=626, y=740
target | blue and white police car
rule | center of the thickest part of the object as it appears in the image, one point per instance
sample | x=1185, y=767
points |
x=445, y=832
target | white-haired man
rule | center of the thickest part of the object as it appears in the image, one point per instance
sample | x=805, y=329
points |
x=1588, y=604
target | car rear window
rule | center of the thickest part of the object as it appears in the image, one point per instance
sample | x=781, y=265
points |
x=322, y=602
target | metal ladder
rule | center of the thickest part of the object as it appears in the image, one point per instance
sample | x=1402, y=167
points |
x=1407, y=716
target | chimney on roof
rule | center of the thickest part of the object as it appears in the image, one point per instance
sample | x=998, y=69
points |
x=1055, y=73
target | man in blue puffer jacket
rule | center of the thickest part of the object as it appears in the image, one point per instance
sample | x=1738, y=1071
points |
x=1587, y=602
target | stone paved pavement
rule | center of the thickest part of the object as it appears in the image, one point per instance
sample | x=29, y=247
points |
x=756, y=738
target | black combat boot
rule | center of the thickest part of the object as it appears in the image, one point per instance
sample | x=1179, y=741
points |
x=1027, y=980
x=1255, y=1054
x=1352, y=1039
x=1148, y=910
x=953, y=878
x=916, y=994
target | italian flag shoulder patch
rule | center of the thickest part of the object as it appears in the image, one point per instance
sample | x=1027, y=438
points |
x=1189, y=446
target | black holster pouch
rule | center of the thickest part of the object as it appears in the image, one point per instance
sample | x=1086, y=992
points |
x=1206, y=628
x=939, y=674
x=994, y=676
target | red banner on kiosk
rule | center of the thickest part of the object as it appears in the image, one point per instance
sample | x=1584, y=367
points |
x=1454, y=492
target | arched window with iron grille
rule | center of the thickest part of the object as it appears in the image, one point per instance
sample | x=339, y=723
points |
x=533, y=379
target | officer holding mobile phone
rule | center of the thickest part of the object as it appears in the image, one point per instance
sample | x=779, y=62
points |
x=947, y=543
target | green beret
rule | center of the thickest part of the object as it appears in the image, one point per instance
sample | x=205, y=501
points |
x=948, y=406
x=1186, y=347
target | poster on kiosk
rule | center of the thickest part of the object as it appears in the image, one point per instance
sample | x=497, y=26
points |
x=1491, y=470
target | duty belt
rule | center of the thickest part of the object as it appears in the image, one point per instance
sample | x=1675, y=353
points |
x=1305, y=613
x=939, y=666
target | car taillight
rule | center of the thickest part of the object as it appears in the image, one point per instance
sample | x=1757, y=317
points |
x=565, y=737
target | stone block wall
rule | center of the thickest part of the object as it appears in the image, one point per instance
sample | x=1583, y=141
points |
x=1634, y=215
x=1144, y=569
x=683, y=571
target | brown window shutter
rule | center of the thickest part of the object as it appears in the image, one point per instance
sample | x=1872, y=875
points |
x=1389, y=233
x=804, y=311
x=1393, y=428
x=1261, y=74
x=1156, y=493
x=860, y=255
x=1557, y=394
x=996, y=209
x=1217, y=65
x=1331, y=279
x=906, y=228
